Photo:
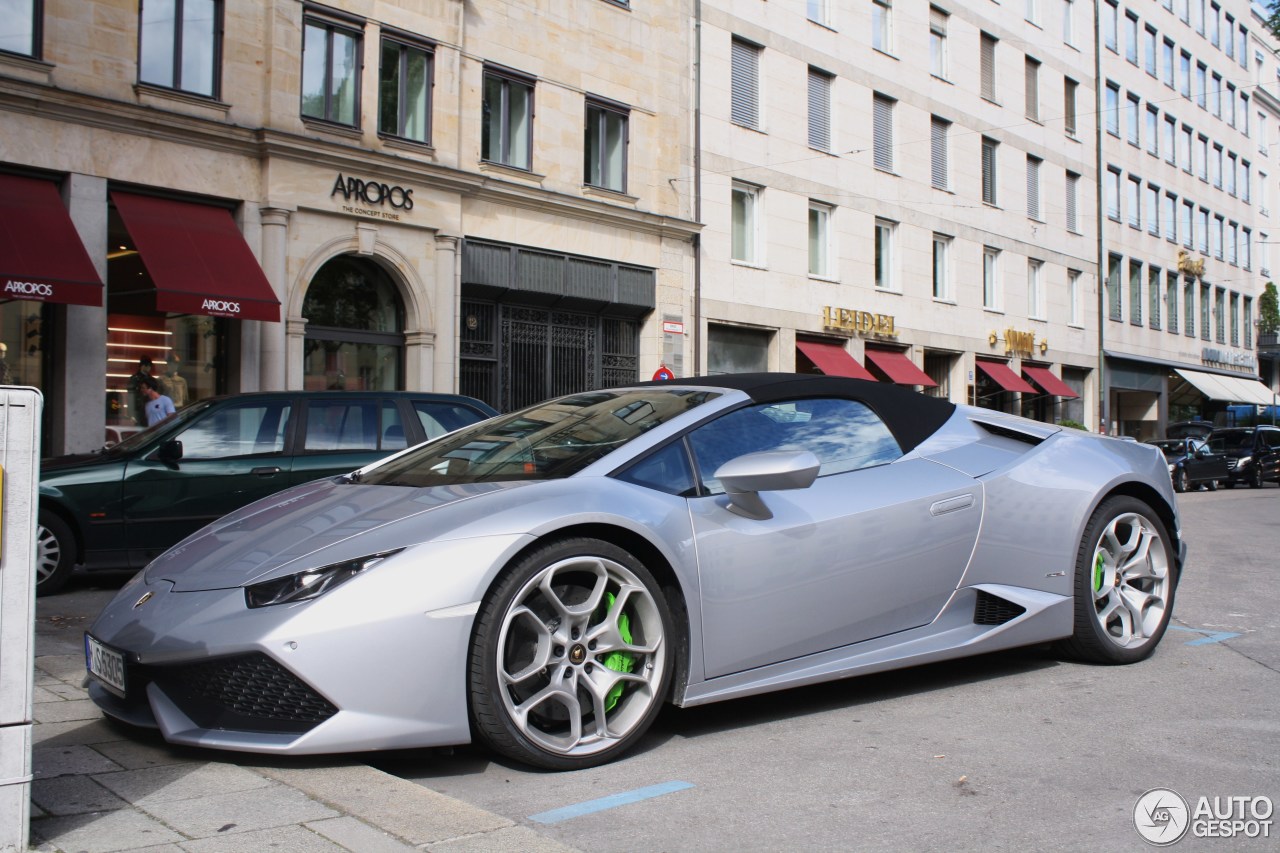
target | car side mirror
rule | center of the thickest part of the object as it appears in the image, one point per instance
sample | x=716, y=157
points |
x=170, y=451
x=744, y=477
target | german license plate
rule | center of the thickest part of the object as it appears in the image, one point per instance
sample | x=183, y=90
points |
x=105, y=664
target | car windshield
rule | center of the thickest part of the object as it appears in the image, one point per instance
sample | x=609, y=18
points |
x=554, y=439
x=138, y=439
x=1225, y=441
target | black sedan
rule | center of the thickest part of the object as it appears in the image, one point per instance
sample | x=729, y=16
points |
x=1192, y=463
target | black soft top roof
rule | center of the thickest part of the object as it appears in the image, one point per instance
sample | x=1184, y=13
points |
x=911, y=417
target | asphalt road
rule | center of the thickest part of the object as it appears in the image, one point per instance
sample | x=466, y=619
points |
x=1013, y=751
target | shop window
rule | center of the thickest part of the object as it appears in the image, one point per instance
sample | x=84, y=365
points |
x=183, y=354
x=736, y=350
x=22, y=343
x=355, y=329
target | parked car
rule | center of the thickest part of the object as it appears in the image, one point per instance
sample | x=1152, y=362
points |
x=1253, y=454
x=559, y=574
x=121, y=506
x=1189, y=429
x=1192, y=463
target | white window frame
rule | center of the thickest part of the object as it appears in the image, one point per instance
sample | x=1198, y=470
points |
x=745, y=236
x=884, y=255
x=882, y=25
x=942, y=284
x=1035, y=289
x=821, y=254
x=991, y=279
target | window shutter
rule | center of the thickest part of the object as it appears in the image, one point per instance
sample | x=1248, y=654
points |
x=1033, y=188
x=882, y=132
x=1073, y=184
x=1033, y=89
x=938, y=152
x=819, y=110
x=988, y=171
x=987, y=61
x=745, y=70
x=1069, y=107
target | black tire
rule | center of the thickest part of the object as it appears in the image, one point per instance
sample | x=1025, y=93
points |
x=1255, y=476
x=1180, y=480
x=1099, y=619
x=55, y=553
x=553, y=634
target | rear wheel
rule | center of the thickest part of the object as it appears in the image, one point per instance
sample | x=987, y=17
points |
x=1180, y=480
x=1124, y=585
x=55, y=553
x=1255, y=477
x=571, y=656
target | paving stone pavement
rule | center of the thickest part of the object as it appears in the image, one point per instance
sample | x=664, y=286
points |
x=100, y=787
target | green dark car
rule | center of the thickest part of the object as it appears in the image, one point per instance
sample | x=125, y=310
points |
x=119, y=507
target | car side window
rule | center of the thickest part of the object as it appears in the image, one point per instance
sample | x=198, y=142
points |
x=245, y=430
x=437, y=418
x=667, y=470
x=845, y=435
x=342, y=425
x=393, y=437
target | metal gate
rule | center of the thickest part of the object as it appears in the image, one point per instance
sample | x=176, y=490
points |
x=513, y=356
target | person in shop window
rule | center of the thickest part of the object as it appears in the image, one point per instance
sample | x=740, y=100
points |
x=6, y=375
x=137, y=390
x=159, y=406
x=174, y=384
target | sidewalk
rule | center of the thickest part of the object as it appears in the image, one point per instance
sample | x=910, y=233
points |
x=100, y=787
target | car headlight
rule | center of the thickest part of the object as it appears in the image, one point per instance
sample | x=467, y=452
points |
x=1244, y=460
x=310, y=584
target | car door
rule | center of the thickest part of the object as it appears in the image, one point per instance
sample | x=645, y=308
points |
x=230, y=456
x=876, y=545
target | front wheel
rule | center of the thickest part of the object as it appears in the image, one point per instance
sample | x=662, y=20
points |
x=571, y=656
x=1124, y=584
x=1180, y=480
x=55, y=553
x=1255, y=477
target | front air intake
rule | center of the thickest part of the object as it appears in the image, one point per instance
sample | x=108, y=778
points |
x=994, y=610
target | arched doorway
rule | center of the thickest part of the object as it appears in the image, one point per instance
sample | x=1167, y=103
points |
x=355, y=328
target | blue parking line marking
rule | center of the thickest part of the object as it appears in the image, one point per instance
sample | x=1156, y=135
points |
x=609, y=802
x=1209, y=637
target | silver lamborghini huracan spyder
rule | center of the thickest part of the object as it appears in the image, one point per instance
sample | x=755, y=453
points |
x=547, y=580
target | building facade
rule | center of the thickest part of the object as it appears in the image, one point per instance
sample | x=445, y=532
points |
x=358, y=195
x=903, y=190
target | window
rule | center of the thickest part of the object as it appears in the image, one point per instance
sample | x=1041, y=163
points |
x=819, y=110
x=1200, y=157
x=1211, y=23
x=1261, y=125
x=1155, y=284
x=1184, y=74
x=1112, y=193
x=1135, y=292
x=1202, y=85
x=1166, y=62
x=1133, y=198
x=1169, y=216
x=1220, y=315
x=1151, y=209
x=246, y=429
x=1171, y=301
x=1112, y=109
x=991, y=278
x=1032, y=89
x=1131, y=37
x=1229, y=105
x=1228, y=35
x=180, y=43
x=1115, y=304
x=1149, y=50
x=1033, y=187
x=1189, y=307
x=882, y=25
x=1231, y=242
x=404, y=90
x=1035, y=290
x=820, y=11
x=1184, y=148
x=1185, y=216
x=819, y=239
x=1204, y=312
x=745, y=84
x=1242, y=48
x=885, y=233
x=1229, y=173
x=1202, y=230
x=882, y=131
x=746, y=222
x=1153, y=130
x=989, y=170
x=1169, y=139
x=938, y=152
x=1215, y=237
x=987, y=67
x=1031, y=11
x=1248, y=322
x=1242, y=113
x=1074, y=297
x=605, y=145
x=1133, y=111
x=938, y=42
x=1215, y=166
x=507, y=133
x=1069, y=90
x=1110, y=12
x=1246, y=248
x=331, y=60
x=1215, y=95
x=1069, y=22
x=1072, y=202
x=941, y=267
x=21, y=33
x=1263, y=195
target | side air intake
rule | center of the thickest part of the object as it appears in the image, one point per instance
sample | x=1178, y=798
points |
x=994, y=610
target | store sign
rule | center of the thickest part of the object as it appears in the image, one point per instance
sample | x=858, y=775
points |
x=371, y=198
x=863, y=322
x=1228, y=358
x=1019, y=343
x=15, y=289
x=1186, y=266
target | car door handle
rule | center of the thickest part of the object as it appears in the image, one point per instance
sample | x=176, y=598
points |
x=947, y=505
x=266, y=471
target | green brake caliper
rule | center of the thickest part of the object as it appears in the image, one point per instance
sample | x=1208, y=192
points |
x=1098, y=562
x=618, y=661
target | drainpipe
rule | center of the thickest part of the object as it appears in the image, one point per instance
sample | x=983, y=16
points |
x=697, y=186
x=1104, y=385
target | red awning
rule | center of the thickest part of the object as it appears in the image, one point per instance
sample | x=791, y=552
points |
x=1051, y=384
x=41, y=255
x=899, y=367
x=833, y=360
x=1003, y=376
x=197, y=259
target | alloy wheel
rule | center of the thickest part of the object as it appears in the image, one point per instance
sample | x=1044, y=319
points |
x=1130, y=580
x=48, y=553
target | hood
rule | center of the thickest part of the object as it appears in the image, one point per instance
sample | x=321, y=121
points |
x=268, y=536
x=74, y=460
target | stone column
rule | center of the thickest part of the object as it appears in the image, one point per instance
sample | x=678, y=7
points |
x=448, y=296
x=419, y=357
x=273, y=336
x=295, y=335
x=77, y=400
